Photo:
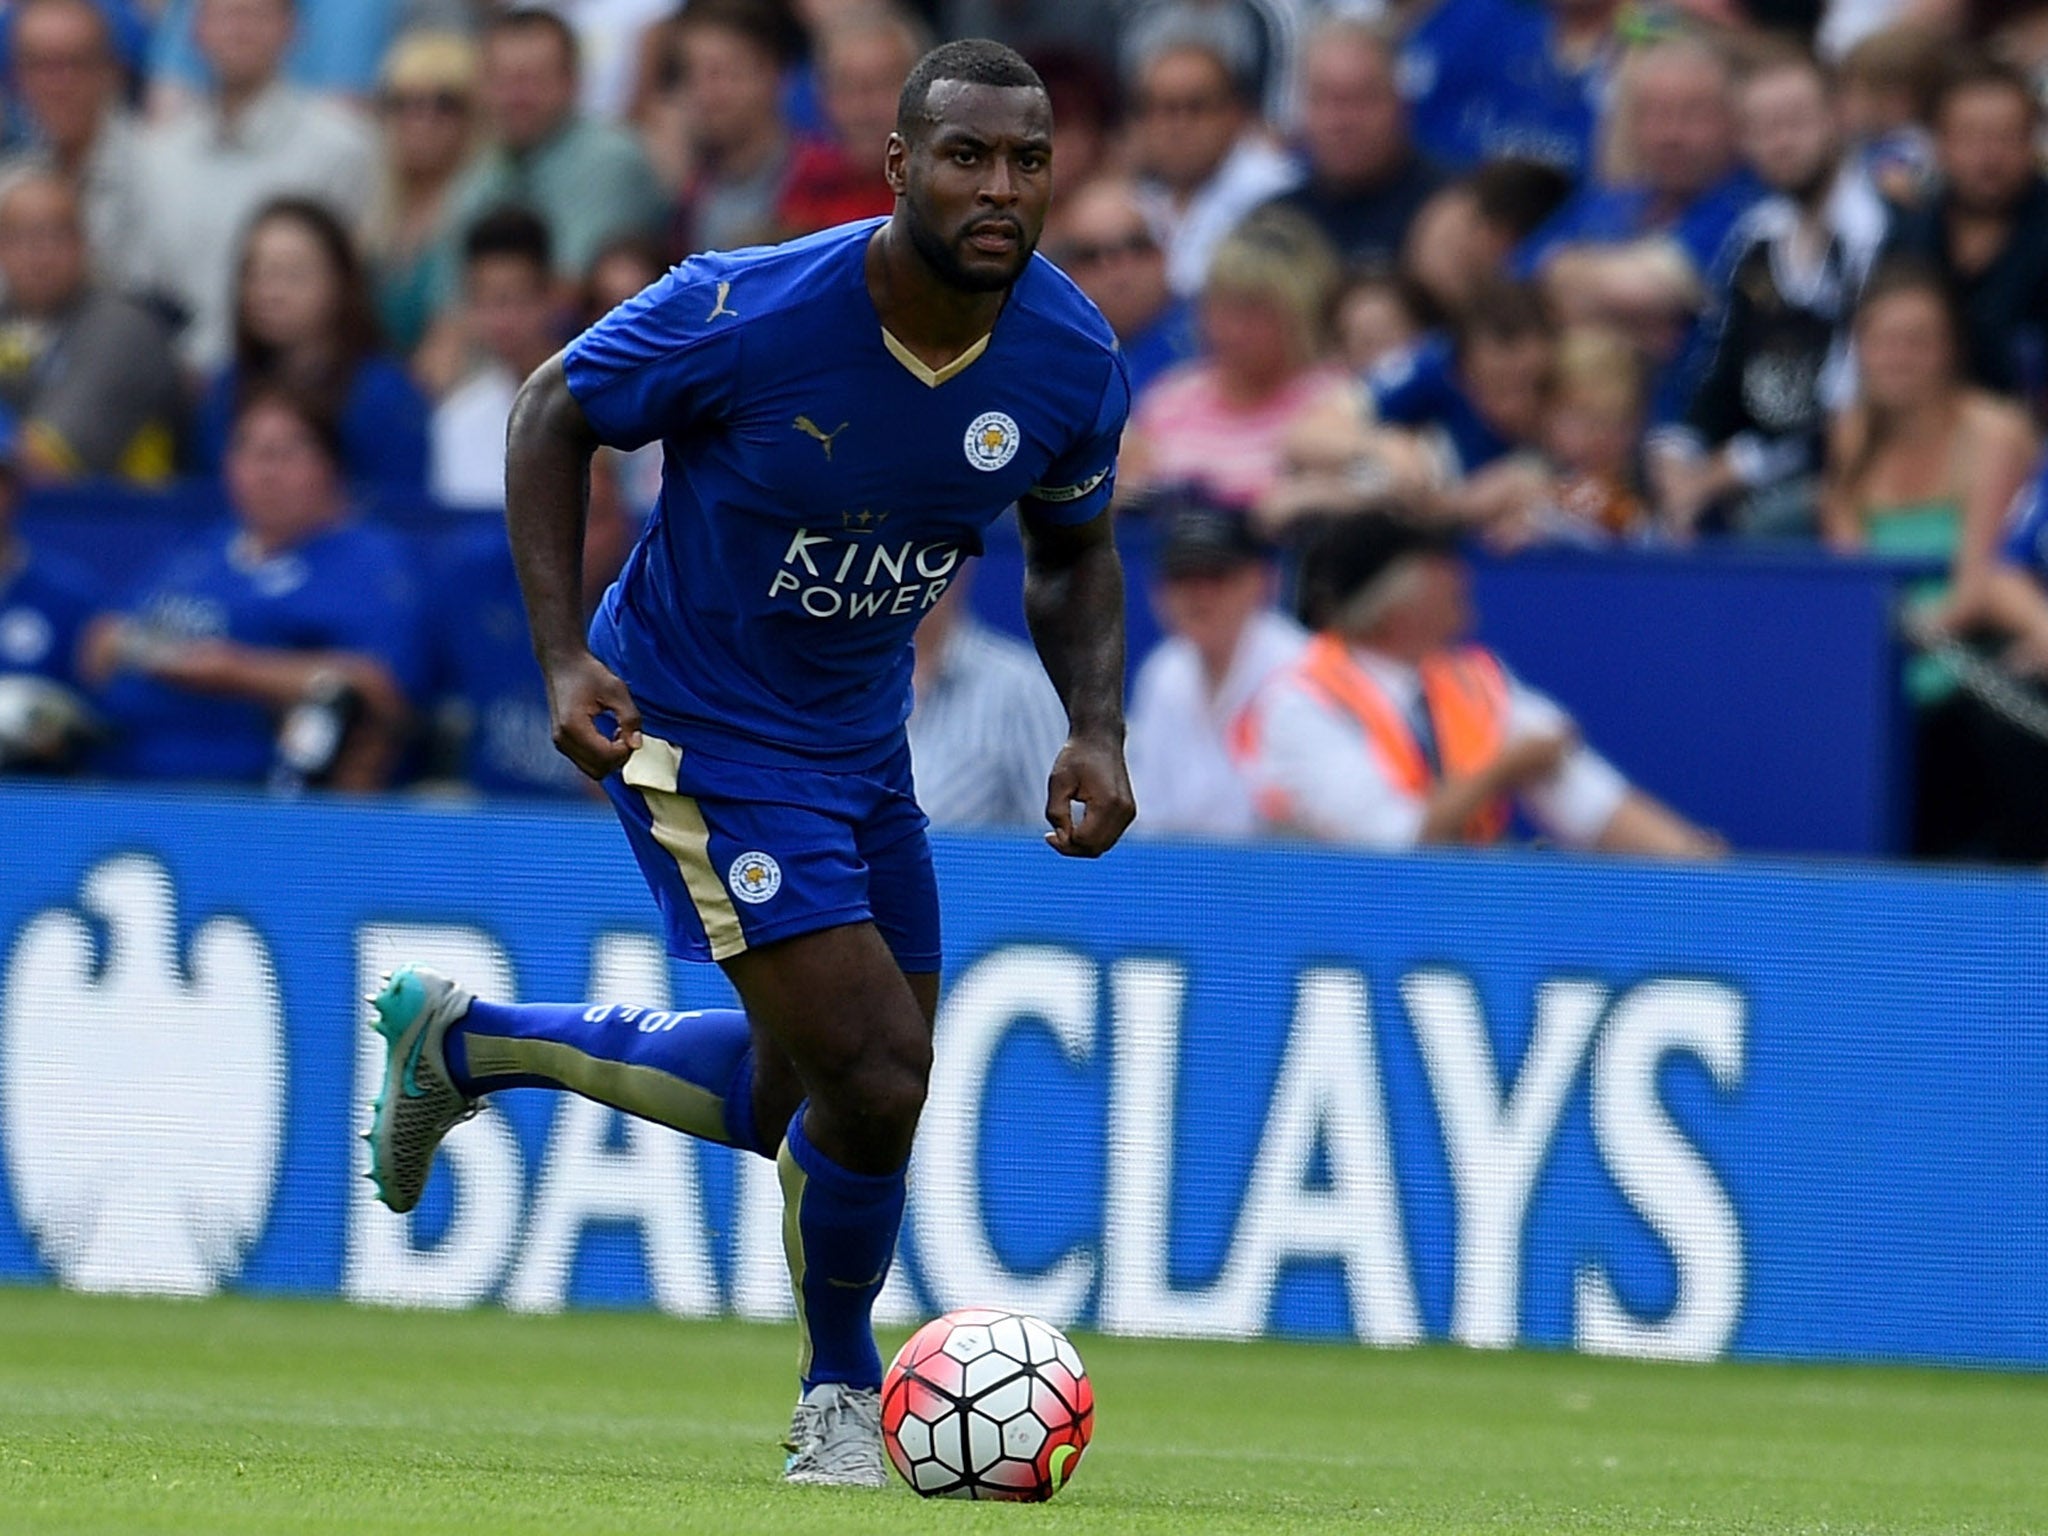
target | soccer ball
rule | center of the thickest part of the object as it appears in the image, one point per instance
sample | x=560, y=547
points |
x=986, y=1404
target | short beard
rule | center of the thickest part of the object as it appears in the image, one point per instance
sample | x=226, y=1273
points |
x=945, y=261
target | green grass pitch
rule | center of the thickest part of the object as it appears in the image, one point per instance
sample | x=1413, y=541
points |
x=140, y=1417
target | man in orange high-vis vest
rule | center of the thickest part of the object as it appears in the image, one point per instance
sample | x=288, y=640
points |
x=1392, y=729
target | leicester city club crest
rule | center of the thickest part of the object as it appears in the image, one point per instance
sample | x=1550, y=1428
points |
x=992, y=440
x=753, y=878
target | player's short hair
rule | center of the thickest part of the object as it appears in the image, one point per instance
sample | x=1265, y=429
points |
x=509, y=230
x=972, y=61
x=534, y=18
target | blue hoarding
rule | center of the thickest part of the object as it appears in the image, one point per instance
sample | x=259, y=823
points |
x=1764, y=1110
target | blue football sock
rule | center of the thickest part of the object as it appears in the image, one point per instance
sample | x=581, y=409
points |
x=693, y=1071
x=839, y=1229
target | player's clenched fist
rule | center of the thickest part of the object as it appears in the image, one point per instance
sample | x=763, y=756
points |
x=1092, y=774
x=580, y=688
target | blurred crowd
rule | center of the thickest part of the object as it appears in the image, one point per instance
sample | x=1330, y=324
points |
x=1390, y=277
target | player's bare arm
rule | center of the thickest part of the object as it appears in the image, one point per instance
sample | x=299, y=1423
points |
x=1074, y=602
x=547, y=495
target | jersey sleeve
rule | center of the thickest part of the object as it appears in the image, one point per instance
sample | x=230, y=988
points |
x=663, y=361
x=1077, y=486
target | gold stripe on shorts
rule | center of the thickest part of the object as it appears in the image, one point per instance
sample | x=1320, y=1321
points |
x=679, y=828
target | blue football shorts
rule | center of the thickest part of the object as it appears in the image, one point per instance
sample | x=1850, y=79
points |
x=739, y=855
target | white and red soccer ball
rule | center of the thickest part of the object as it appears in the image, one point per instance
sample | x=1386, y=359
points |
x=986, y=1404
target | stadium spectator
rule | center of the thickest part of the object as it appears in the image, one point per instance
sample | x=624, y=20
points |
x=45, y=604
x=1488, y=79
x=489, y=713
x=1753, y=436
x=1922, y=468
x=1254, y=38
x=208, y=169
x=862, y=62
x=1364, y=182
x=66, y=78
x=1923, y=465
x=985, y=725
x=611, y=41
x=1102, y=239
x=732, y=54
x=1376, y=318
x=1202, y=157
x=1584, y=486
x=1675, y=171
x=1222, y=420
x=587, y=180
x=1479, y=392
x=88, y=373
x=335, y=49
x=429, y=111
x=1987, y=232
x=281, y=646
x=1214, y=593
x=1391, y=729
x=509, y=315
x=1462, y=238
x=1884, y=92
x=304, y=319
x=620, y=270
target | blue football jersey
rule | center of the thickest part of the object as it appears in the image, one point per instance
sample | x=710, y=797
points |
x=821, y=486
x=351, y=588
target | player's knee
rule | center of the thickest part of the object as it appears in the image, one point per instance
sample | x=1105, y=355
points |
x=877, y=1097
x=887, y=1085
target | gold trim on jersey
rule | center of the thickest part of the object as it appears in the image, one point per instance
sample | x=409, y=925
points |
x=926, y=375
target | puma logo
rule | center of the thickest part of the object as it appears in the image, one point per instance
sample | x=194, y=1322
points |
x=810, y=428
x=719, y=308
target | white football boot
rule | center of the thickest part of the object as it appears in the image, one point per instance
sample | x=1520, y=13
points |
x=835, y=1439
x=419, y=1103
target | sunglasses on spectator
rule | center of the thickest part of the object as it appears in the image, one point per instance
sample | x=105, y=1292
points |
x=1085, y=255
x=443, y=103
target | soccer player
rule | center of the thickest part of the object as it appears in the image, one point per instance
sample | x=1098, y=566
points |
x=841, y=416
